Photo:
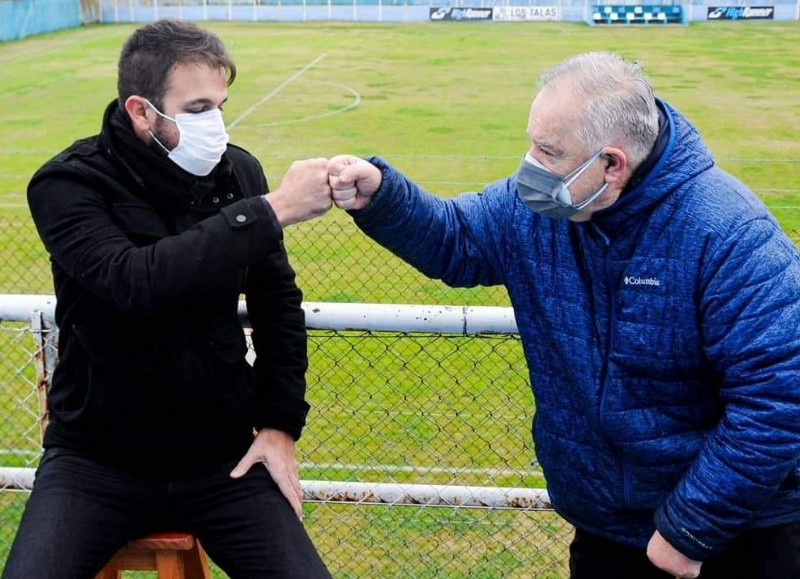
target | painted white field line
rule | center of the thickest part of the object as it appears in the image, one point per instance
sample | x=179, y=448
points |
x=53, y=46
x=419, y=469
x=340, y=110
x=19, y=452
x=276, y=90
x=8, y=151
x=18, y=151
x=358, y=467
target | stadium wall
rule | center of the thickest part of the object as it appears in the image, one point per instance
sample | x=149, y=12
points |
x=444, y=10
x=21, y=18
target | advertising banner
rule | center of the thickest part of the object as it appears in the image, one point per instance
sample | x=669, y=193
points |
x=460, y=14
x=526, y=13
x=741, y=13
x=637, y=14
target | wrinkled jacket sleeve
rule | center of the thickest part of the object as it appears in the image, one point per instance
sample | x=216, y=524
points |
x=456, y=240
x=750, y=306
x=80, y=235
x=274, y=306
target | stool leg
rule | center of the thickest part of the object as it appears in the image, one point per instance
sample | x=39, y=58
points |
x=172, y=559
x=195, y=563
x=169, y=565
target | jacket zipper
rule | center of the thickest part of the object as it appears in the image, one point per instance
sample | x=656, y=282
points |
x=606, y=354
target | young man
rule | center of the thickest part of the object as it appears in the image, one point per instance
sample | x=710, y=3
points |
x=658, y=304
x=155, y=227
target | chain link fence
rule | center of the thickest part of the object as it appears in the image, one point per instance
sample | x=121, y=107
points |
x=387, y=407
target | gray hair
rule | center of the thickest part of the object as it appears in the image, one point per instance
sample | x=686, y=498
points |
x=618, y=101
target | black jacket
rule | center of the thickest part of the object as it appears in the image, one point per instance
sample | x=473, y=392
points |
x=149, y=263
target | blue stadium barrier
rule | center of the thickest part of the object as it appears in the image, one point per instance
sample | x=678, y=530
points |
x=21, y=18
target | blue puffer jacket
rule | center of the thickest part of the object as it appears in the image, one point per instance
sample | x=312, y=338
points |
x=662, y=340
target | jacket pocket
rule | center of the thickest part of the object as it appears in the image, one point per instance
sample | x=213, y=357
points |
x=131, y=352
x=792, y=482
x=229, y=346
x=220, y=382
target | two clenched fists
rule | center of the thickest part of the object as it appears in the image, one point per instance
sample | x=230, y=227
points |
x=312, y=186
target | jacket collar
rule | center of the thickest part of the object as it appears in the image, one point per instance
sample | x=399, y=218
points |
x=679, y=155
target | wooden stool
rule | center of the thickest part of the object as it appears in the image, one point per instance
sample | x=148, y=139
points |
x=173, y=555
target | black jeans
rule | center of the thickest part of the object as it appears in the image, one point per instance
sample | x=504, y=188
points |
x=768, y=553
x=81, y=512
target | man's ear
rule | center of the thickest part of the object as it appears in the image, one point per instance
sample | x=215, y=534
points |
x=137, y=109
x=616, y=163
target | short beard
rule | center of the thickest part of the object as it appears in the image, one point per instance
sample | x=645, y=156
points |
x=158, y=133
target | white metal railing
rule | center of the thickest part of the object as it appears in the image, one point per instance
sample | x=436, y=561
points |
x=422, y=495
x=461, y=320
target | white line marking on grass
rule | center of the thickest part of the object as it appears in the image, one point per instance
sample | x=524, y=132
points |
x=18, y=151
x=53, y=45
x=276, y=90
x=419, y=469
x=19, y=452
x=352, y=105
x=361, y=467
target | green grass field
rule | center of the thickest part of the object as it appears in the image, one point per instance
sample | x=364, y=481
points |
x=448, y=104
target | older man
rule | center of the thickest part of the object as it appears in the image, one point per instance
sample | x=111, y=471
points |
x=658, y=303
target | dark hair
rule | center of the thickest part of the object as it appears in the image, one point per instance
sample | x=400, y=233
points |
x=153, y=51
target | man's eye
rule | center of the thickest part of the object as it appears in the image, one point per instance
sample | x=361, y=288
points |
x=202, y=110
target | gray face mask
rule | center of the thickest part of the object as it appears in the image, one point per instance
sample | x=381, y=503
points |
x=546, y=193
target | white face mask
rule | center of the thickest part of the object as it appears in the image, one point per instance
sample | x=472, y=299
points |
x=201, y=143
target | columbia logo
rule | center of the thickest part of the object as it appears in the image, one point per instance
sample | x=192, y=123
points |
x=630, y=280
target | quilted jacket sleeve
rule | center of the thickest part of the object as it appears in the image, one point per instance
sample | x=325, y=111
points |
x=456, y=240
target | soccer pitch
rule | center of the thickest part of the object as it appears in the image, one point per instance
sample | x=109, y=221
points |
x=447, y=103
